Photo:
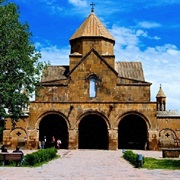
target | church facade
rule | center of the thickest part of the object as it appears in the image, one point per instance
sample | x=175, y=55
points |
x=96, y=102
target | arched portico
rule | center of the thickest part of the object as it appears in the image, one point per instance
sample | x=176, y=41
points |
x=93, y=132
x=132, y=132
x=53, y=124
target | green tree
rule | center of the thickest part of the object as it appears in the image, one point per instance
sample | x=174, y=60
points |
x=20, y=68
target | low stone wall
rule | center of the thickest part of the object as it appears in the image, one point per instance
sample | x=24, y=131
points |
x=170, y=152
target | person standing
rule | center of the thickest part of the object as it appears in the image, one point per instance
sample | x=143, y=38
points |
x=39, y=144
x=53, y=141
x=58, y=143
x=43, y=144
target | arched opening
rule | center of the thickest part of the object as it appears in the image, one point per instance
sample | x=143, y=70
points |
x=93, y=133
x=132, y=133
x=53, y=125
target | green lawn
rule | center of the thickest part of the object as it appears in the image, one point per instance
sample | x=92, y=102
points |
x=152, y=163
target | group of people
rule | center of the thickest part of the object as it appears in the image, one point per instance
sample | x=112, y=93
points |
x=53, y=143
x=17, y=150
x=56, y=143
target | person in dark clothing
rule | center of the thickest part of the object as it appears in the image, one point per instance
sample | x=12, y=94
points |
x=53, y=142
x=3, y=149
x=17, y=150
x=42, y=144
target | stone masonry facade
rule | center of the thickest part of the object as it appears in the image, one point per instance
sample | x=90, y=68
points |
x=96, y=102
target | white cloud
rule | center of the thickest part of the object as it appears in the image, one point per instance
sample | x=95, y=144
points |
x=126, y=37
x=165, y=2
x=161, y=64
x=148, y=25
x=52, y=5
x=79, y=3
x=53, y=54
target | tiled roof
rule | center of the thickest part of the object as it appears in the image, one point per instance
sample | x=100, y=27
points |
x=168, y=113
x=132, y=70
x=160, y=93
x=92, y=27
x=53, y=73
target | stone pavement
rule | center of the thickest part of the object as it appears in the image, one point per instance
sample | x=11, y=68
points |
x=89, y=165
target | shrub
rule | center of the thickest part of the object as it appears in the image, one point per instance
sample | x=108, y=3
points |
x=43, y=155
x=133, y=158
x=130, y=156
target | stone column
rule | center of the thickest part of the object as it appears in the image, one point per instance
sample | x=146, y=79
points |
x=113, y=139
x=33, y=139
x=73, y=139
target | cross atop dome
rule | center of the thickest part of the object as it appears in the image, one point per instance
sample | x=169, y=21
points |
x=92, y=8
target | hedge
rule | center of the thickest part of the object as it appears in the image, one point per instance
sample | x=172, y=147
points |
x=133, y=158
x=40, y=156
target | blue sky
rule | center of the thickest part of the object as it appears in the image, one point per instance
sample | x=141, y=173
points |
x=144, y=30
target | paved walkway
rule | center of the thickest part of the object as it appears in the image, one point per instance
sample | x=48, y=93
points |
x=89, y=165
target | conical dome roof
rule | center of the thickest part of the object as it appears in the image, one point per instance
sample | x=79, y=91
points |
x=160, y=94
x=92, y=27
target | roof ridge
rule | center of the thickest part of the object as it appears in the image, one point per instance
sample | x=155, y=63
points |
x=98, y=55
x=92, y=26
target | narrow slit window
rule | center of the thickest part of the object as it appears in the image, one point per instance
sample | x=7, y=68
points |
x=92, y=88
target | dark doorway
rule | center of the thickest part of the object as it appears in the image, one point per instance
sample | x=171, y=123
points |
x=93, y=133
x=132, y=133
x=54, y=125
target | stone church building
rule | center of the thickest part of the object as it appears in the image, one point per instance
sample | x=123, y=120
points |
x=96, y=102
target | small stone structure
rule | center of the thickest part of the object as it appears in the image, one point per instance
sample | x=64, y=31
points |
x=170, y=152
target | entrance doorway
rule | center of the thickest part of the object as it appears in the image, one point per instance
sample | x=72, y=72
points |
x=54, y=125
x=93, y=133
x=132, y=133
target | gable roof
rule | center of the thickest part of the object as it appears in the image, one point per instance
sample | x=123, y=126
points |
x=92, y=27
x=99, y=56
x=54, y=73
x=130, y=70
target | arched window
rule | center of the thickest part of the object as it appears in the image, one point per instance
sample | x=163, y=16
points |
x=92, y=87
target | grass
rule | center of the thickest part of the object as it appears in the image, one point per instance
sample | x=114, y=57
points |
x=152, y=163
